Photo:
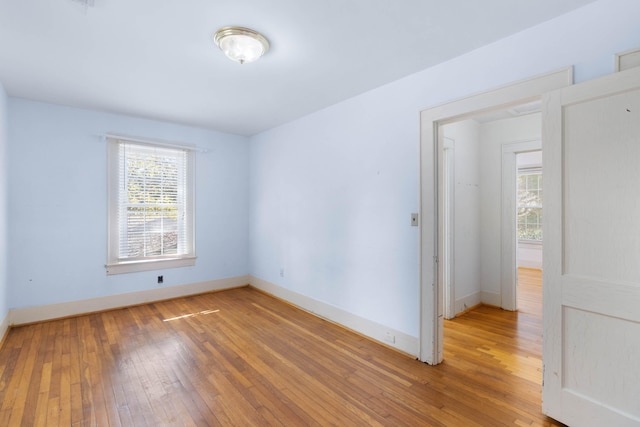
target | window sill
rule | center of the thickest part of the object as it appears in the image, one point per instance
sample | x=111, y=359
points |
x=160, y=264
x=530, y=242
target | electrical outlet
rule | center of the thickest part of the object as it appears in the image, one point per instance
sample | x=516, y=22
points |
x=160, y=279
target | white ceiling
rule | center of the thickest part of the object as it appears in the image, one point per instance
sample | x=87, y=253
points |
x=156, y=58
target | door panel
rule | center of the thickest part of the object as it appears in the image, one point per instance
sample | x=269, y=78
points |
x=592, y=369
x=591, y=290
x=602, y=152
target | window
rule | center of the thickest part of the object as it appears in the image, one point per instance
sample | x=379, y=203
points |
x=151, y=219
x=530, y=205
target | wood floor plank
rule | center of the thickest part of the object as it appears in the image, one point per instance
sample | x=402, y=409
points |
x=20, y=384
x=40, y=412
x=243, y=358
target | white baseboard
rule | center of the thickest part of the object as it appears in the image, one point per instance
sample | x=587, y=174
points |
x=537, y=265
x=491, y=298
x=4, y=326
x=385, y=335
x=22, y=316
x=465, y=303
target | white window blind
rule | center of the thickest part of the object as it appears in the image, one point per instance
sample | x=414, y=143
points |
x=150, y=207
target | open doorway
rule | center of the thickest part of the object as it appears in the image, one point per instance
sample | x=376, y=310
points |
x=489, y=207
x=490, y=217
x=431, y=121
x=529, y=211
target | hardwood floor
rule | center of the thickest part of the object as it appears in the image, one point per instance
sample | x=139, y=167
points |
x=530, y=291
x=242, y=358
x=504, y=347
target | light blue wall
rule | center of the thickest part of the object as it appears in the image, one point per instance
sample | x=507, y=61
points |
x=4, y=289
x=58, y=206
x=332, y=193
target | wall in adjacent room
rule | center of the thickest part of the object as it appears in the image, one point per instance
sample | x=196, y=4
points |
x=57, y=204
x=332, y=192
x=467, y=226
x=4, y=288
x=493, y=136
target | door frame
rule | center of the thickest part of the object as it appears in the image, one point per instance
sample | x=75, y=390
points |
x=431, y=289
x=508, y=238
x=447, y=212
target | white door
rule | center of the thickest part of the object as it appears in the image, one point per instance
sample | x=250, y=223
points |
x=591, y=160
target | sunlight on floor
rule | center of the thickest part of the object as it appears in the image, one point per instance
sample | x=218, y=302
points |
x=185, y=316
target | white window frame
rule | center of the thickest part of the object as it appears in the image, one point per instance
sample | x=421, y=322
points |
x=115, y=263
x=537, y=170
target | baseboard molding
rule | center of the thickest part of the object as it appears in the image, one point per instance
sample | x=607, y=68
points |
x=465, y=303
x=4, y=328
x=533, y=265
x=383, y=334
x=27, y=315
x=491, y=298
x=467, y=310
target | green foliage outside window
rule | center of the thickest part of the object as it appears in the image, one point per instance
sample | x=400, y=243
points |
x=152, y=205
x=529, y=209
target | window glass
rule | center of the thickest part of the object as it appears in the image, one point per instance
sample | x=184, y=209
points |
x=529, y=209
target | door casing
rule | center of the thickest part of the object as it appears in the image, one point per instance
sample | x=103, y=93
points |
x=509, y=242
x=431, y=289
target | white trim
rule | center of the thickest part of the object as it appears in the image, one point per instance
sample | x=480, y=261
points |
x=508, y=251
x=507, y=96
x=627, y=59
x=403, y=342
x=447, y=212
x=74, y=308
x=530, y=242
x=490, y=298
x=467, y=302
x=531, y=245
x=149, y=265
x=4, y=326
x=503, y=97
x=155, y=142
x=529, y=264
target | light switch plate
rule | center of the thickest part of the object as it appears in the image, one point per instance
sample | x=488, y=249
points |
x=414, y=219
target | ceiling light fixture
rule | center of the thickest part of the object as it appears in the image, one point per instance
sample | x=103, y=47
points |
x=241, y=44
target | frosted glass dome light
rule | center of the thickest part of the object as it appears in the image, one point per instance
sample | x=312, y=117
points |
x=241, y=44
